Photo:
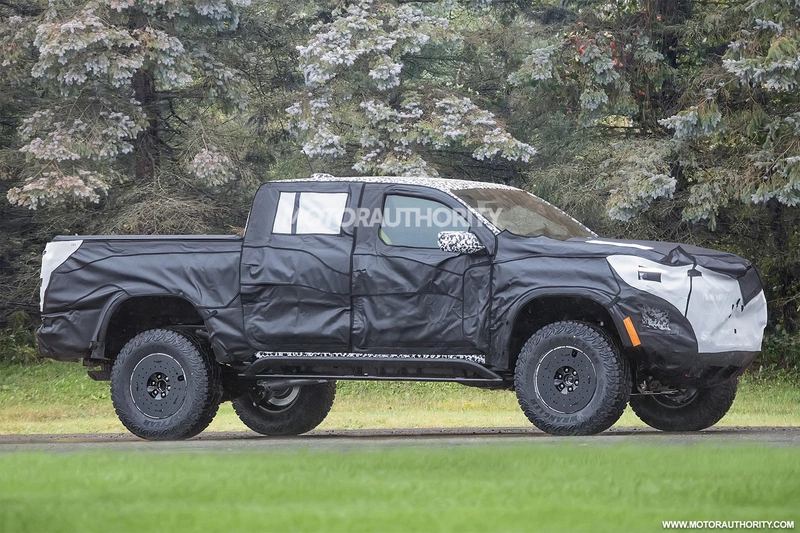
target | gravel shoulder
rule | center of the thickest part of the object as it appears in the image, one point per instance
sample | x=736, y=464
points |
x=427, y=437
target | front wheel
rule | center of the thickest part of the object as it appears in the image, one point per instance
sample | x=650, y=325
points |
x=571, y=379
x=286, y=411
x=689, y=410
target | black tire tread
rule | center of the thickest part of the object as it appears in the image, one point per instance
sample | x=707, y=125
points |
x=710, y=406
x=615, y=365
x=215, y=375
x=215, y=378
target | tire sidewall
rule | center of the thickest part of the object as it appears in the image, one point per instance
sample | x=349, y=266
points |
x=601, y=380
x=196, y=378
x=707, y=408
x=597, y=415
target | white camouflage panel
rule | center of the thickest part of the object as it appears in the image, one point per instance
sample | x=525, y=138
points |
x=711, y=302
x=459, y=242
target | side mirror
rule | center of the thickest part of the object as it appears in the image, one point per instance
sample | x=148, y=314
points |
x=460, y=242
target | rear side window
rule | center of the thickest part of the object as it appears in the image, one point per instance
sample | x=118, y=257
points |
x=309, y=213
x=416, y=222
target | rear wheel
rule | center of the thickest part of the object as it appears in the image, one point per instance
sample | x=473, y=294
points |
x=571, y=379
x=164, y=386
x=688, y=410
x=285, y=411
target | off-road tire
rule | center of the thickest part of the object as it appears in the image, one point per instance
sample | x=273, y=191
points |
x=599, y=365
x=306, y=411
x=195, y=390
x=705, y=408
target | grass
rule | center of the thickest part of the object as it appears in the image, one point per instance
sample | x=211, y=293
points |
x=59, y=398
x=528, y=485
x=495, y=487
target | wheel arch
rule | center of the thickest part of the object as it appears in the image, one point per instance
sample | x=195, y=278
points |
x=541, y=307
x=125, y=316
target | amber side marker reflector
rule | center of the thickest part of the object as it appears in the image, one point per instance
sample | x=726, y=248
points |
x=631, y=331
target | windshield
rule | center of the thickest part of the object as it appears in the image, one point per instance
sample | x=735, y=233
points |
x=523, y=214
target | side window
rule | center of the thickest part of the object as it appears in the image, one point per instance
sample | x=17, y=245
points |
x=307, y=213
x=411, y=221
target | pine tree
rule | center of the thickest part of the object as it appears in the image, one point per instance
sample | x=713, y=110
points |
x=372, y=97
x=119, y=79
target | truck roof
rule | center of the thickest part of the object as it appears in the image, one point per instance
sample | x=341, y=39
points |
x=443, y=184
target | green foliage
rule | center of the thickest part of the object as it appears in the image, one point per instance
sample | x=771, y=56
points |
x=780, y=350
x=117, y=77
x=361, y=92
x=18, y=341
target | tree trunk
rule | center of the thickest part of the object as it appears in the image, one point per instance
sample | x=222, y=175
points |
x=785, y=281
x=146, y=145
x=144, y=91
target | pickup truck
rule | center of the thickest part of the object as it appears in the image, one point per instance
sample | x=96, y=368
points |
x=411, y=279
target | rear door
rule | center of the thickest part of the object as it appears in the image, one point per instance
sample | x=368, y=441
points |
x=296, y=265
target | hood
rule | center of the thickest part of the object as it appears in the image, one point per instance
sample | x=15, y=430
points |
x=512, y=247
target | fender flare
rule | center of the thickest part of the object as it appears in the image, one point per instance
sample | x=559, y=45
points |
x=602, y=298
x=98, y=344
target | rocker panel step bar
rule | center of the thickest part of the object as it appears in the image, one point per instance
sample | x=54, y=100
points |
x=371, y=368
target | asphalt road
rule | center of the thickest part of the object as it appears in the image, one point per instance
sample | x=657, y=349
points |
x=429, y=437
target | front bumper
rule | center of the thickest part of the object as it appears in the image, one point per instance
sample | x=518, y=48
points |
x=670, y=351
x=697, y=370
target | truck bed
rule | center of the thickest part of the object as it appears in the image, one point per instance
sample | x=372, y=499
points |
x=92, y=274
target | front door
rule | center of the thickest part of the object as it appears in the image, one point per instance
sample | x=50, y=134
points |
x=409, y=296
x=295, y=270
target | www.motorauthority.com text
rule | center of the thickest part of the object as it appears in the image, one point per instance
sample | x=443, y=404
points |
x=727, y=524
